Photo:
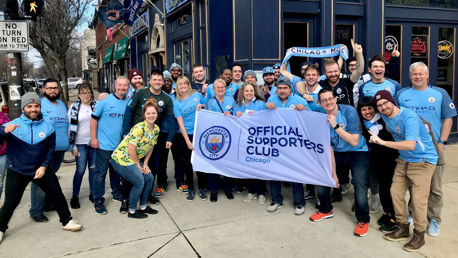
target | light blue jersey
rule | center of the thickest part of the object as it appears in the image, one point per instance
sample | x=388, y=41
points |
x=57, y=116
x=186, y=109
x=348, y=119
x=294, y=81
x=230, y=90
x=407, y=126
x=370, y=88
x=291, y=102
x=433, y=104
x=254, y=105
x=227, y=105
x=314, y=106
x=109, y=113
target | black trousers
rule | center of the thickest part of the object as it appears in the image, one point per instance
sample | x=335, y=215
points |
x=14, y=189
x=158, y=161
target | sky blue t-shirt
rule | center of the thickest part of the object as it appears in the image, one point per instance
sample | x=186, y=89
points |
x=407, y=126
x=294, y=81
x=314, y=106
x=348, y=119
x=227, y=105
x=110, y=113
x=57, y=116
x=254, y=105
x=433, y=104
x=291, y=102
x=186, y=109
x=370, y=88
x=230, y=90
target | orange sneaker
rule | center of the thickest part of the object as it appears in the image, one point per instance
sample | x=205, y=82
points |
x=361, y=229
x=159, y=192
x=319, y=216
x=184, y=188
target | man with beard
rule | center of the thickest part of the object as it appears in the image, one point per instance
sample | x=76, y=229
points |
x=168, y=82
x=55, y=113
x=30, y=143
x=199, y=83
x=176, y=71
x=343, y=87
x=106, y=134
x=136, y=82
x=269, y=88
x=415, y=167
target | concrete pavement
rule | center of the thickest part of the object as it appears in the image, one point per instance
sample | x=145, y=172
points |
x=228, y=228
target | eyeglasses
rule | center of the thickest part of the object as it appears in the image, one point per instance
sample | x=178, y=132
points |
x=330, y=99
x=52, y=88
x=382, y=104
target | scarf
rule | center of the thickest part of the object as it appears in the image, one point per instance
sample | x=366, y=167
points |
x=74, y=111
x=316, y=52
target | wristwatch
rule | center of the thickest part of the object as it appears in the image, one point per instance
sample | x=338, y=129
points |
x=443, y=142
x=336, y=127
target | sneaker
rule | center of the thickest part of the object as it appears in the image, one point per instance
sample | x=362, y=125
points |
x=299, y=210
x=100, y=209
x=319, y=216
x=229, y=196
x=213, y=197
x=274, y=206
x=261, y=199
x=433, y=228
x=137, y=215
x=345, y=188
x=383, y=219
x=72, y=225
x=389, y=226
x=361, y=229
x=75, y=203
x=190, y=196
x=410, y=220
x=202, y=195
x=309, y=195
x=159, y=192
x=250, y=197
x=183, y=189
x=91, y=198
x=153, y=200
x=374, y=207
x=40, y=218
x=148, y=210
x=124, y=207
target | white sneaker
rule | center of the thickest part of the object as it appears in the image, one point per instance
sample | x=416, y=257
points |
x=250, y=197
x=274, y=206
x=1, y=236
x=261, y=200
x=374, y=207
x=299, y=210
x=72, y=225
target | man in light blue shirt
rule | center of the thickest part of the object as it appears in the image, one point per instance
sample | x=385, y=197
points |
x=55, y=112
x=415, y=167
x=434, y=105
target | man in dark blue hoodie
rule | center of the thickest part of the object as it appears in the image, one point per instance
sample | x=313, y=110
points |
x=30, y=145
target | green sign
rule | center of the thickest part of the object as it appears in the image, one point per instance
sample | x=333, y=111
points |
x=121, y=48
x=108, y=54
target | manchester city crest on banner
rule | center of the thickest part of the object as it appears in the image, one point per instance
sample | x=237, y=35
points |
x=215, y=142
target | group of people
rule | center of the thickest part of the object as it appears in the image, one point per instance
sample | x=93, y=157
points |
x=390, y=138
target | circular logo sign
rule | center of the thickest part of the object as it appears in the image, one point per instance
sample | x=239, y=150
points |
x=214, y=143
x=292, y=106
x=160, y=103
x=339, y=90
x=444, y=49
x=451, y=105
x=390, y=42
x=388, y=89
x=431, y=100
x=398, y=129
x=41, y=134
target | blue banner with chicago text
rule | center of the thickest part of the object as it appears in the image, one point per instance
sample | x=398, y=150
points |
x=282, y=145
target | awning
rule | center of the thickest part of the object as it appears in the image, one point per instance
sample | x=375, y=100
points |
x=121, y=48
x=108, y=54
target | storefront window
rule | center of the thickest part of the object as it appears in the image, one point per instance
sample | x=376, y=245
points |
x=392, y=41
x=428, y=3
x=445, y=58
x=187, y=57
x=295, y=35
x=182, y=20
x=419, y=45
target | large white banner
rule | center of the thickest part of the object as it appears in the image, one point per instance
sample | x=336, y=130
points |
x=283, y=144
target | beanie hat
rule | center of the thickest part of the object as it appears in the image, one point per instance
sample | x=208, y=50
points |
x=167, y=75
x=28, y=98
x=133, y=73
x=175, y=65
x=284, y=81
x=383, y=94
x=249, y=72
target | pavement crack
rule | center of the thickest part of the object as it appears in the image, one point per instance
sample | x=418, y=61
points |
x=166, y=243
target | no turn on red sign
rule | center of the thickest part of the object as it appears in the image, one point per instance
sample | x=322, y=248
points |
x=14, y=36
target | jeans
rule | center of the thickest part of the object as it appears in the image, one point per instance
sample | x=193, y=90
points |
x=213, y=179
x=256, y=186
x=2, y=171
x=324, y=196
x=86, y=158
x=15, y=187
x=358, y=162
x=38, y=198
x=141, y=183
x=158, y=161
x=102, y=164
x=298, y=193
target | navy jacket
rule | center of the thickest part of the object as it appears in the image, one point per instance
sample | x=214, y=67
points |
x=29, y=146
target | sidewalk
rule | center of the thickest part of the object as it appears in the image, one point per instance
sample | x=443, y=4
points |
x=228, y=228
